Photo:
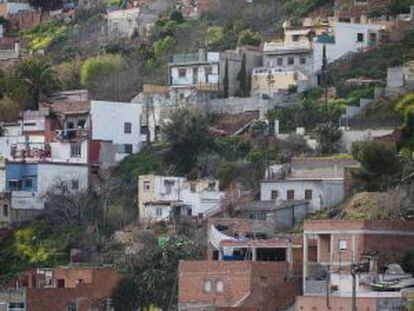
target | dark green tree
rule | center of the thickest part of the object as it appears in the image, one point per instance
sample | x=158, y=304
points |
x=328, y=136
x=187, y=134
x=153, y=280
x=380, y=165
x=226, y=79
x=242, y=78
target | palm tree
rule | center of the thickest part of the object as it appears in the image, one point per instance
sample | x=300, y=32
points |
x=38, y=79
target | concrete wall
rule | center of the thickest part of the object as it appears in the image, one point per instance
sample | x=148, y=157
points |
x=117, y=114
x=61, y=152
x=324, y=193
x=50, y=174
x=281, y=61
x=283, y=80
x=189, y=78
x=351, y=136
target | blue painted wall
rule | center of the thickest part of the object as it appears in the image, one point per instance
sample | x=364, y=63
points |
x=25, y=173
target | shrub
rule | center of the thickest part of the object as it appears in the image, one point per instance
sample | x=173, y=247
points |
x=249, y=37
x=96, y=68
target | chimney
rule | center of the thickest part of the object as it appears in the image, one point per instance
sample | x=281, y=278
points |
x=202, y=55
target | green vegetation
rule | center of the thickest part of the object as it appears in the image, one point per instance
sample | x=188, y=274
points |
x=380, y=165
x=153, y=277
x=248, y=37
x=42, y=36
x=372, y=64
x=34, y=79
x=94, y=69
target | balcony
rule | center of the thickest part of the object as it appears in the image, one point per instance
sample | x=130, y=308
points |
x=69, y=134
x=283, y=47
x=27, y=151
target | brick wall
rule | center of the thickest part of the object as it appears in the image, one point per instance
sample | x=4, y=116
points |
x=245, y=283
x=309, y=303
x=104, y=282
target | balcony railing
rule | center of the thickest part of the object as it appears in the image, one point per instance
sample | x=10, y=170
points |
x=68, y=134
x=30, y=151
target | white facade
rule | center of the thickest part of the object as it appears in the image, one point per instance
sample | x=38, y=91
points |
x=123, y=22
x=2, y=175
x=348, y=38
x=119, y=123
x=321, y=193
x=69, y=151
x=75, y=177
x=198, y=70
x=158, y=194
x=50, y=174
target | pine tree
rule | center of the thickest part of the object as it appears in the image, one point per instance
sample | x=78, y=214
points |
x=226, y=80
x=242, y=78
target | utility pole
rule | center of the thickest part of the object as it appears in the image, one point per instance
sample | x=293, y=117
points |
x=355, y=268
x=328, y=287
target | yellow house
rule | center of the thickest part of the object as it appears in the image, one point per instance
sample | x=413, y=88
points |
x=270, y=81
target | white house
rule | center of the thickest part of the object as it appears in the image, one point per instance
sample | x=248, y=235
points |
x=321, y=182
x=194, y=71
x=344, y=38
x=159, y=196
x=28, y=183
x=118, y=123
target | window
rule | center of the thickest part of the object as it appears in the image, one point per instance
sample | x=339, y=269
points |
x=127, y=128
x=16, y=306
x=147, y=186
x=295, y=38
x=274, y=194
x=290, y=194
x=28, y=183
x=291, y=61
x=360, y=37
x=15, y=185
x=219, y=286
x=128, y=148
x=61, y=283
x=75, y=150
x=158, y=211
x=308, y=194
x=207, y=286
x=75, y=184
x=5, y=210
x=303, y=60
x=168, y=184
x=182, y=72
x=208, y=71
x=195, y=75
x=280, y=61
x=263, y=280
